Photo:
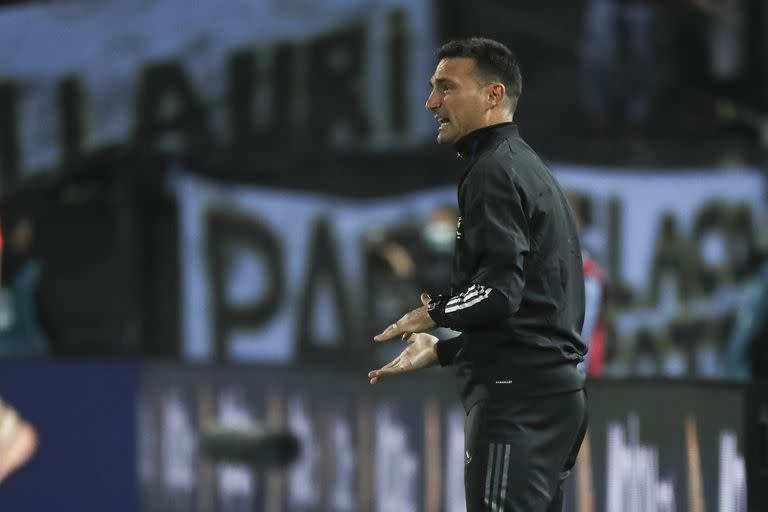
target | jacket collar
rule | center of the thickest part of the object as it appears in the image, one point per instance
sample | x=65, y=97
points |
x=475, y=141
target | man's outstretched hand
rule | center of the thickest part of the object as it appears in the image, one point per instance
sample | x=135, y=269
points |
x=420, y=353
x=417, y=320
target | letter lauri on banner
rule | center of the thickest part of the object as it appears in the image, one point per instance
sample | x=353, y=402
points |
x=244, y=88
x=360, y=451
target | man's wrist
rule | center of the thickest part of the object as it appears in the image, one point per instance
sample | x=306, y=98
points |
x=446, y=351
x=436, y=311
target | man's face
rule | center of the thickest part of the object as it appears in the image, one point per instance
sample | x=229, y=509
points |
x=456, y=99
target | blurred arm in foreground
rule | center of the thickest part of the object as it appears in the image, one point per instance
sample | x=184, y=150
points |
x=18, y=441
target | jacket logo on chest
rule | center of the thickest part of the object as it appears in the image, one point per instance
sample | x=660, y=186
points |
x=458, y=229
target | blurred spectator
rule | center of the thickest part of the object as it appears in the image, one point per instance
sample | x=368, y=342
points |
x=423, y=256
x=594, y=329
x=595, y=285
x=627, y=52
x=419, y=257
x=18, y=440
x=20, y=331
x=623, y=64
x=747, y=348
x=727, y=51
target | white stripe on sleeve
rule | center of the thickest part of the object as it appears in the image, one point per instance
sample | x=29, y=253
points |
x=468, y=301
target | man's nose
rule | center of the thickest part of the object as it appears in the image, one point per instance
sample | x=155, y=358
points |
x=432, y=102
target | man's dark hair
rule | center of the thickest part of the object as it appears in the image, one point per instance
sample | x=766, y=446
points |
x=494, y=61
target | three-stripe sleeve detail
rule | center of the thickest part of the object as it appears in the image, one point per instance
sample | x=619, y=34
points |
x=474, y=294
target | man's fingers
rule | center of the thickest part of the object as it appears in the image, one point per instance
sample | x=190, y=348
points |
x=417, y=320
x=425, y=299
x=385, y=371
x=392, y=363
x=390, y=332
x=377, y=375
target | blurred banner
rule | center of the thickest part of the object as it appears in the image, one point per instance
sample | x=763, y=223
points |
x=362, y=448
x=279, y=275
x=242, y=75
x=679, y=248
x=109, y=430
x=663, y=446
x=271, y=75
x=267, y=274
x=660, y=446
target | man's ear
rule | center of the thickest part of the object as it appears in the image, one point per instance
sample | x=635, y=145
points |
x=496, y=94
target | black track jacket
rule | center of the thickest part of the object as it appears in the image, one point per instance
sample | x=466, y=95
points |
x=517, y=287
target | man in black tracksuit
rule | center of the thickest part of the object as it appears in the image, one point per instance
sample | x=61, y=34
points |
x=516, y=296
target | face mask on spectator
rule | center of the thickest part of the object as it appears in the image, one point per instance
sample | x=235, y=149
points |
x=440, y=236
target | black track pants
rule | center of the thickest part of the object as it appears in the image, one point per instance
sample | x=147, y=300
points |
x=519, y=453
